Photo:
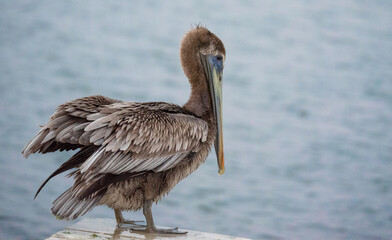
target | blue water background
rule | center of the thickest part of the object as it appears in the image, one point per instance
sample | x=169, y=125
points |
x=307, y=109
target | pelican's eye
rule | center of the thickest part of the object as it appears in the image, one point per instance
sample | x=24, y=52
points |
x=219, y=57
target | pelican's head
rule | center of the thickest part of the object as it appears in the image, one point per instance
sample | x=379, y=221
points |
x=202, y=57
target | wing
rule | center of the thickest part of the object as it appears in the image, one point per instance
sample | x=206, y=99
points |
x=124, y=139
x=136, y=137
x=66, y=126
x=133, y=139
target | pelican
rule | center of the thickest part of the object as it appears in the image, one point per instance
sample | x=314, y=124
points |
x=132, y=154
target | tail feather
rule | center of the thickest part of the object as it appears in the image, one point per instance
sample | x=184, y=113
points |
x=69, y=207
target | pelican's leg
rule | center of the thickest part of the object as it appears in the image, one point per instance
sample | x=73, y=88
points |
x=150, y=222
x=121, y=222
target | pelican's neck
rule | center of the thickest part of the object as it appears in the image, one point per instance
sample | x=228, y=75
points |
x=199, y=102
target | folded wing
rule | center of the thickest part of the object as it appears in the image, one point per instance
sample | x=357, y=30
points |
x=135, y=137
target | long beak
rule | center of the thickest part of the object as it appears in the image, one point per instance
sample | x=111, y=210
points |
x=214, y=71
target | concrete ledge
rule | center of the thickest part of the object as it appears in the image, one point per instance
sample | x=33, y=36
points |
x=103, y=228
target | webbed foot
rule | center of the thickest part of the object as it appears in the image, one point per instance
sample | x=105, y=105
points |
x=144, y=229
x=127, y=225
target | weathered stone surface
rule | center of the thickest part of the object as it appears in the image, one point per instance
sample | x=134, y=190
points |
x=104, y=229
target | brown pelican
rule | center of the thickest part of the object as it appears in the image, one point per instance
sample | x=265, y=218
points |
x=132, y=154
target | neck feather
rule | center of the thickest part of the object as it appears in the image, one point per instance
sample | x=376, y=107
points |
x=199, y=102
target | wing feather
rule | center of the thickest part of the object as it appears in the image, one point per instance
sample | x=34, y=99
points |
x=142, y=137
x=129, y=139
x=65, y=129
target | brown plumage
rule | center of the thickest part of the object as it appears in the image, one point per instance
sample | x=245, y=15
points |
x=132, y=154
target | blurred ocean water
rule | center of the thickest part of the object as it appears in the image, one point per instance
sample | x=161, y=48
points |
x=307, y=109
